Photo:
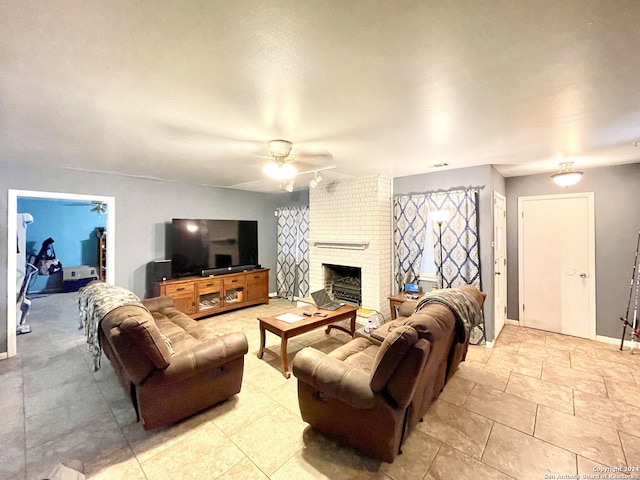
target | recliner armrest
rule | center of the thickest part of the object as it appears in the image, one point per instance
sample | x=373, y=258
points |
x=334, y=378
x=206, y=356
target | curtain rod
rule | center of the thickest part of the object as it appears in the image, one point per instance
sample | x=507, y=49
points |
x=452, y=190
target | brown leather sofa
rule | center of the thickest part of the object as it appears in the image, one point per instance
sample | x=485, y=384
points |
x=370, y=393
x=172, y=377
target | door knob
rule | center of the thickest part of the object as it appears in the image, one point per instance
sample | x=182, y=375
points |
x=583, y=275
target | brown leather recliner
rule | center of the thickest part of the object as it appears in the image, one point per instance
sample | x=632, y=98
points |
x=370, y=393
x=164, y=386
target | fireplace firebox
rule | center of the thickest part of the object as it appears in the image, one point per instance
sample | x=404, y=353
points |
x=344, y=282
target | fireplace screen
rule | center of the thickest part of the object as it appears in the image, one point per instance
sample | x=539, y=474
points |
x=344, y=282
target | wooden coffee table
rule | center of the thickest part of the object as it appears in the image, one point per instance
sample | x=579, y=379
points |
x=289, y=330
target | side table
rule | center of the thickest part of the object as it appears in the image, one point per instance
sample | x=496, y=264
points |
x=396, y=300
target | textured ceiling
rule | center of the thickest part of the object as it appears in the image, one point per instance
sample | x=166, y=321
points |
x=192, y=90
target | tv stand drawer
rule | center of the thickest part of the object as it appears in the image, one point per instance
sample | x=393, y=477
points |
x=180, y=289
x=209, y=286
x=236, y=281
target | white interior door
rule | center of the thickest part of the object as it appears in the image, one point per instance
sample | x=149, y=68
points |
x=556, y=245
x=499, y=262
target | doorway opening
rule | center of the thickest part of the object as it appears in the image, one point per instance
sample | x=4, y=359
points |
x=12, y=213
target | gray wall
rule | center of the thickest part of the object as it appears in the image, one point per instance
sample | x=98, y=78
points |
x=143, y=210
x=486, y=178
x=617, y=220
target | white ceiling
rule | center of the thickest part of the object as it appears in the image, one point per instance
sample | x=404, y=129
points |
x=192, y=90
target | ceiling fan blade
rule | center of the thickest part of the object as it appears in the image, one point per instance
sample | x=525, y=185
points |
x=197, y=134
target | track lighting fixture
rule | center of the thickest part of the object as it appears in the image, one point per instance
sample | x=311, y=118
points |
x=289, y=186
x=313, y=183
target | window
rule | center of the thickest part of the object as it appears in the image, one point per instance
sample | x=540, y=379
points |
x=428, y=271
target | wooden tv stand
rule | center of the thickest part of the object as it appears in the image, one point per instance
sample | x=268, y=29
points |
x=203, y=296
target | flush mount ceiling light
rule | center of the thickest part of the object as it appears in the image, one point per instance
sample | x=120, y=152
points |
x=567, y=176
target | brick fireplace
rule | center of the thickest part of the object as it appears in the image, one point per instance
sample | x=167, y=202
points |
x=350, y=227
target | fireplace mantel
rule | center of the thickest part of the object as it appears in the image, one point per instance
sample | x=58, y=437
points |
x=342, y=244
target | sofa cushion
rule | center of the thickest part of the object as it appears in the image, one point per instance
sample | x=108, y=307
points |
x=359, y=353
x=140, y=326
x=389, y=355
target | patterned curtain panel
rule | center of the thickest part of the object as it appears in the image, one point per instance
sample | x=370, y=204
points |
x=460, y=262
x=410, y=220
x=292, y=263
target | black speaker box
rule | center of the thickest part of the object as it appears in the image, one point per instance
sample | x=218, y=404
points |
x=160, y=270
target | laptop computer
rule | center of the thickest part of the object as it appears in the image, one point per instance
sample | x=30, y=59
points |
x=321, y=297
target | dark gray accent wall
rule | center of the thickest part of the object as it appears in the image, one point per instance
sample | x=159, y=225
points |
x=617, y=220
x=484, y=177
x=144, y=208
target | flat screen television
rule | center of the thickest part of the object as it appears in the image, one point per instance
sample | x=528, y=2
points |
x=199, y=244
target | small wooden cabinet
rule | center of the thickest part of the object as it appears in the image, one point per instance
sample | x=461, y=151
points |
x=182, y=294
x=203, y=296
x=257, y=283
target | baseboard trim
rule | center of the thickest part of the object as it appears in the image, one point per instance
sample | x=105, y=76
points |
x=616, y=341
x=598, y=338
x=4, y=356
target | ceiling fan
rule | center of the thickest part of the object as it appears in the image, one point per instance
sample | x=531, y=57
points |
x=99, y=207
x=281, y=169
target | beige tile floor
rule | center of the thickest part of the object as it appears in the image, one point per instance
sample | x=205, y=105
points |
x=538, y=403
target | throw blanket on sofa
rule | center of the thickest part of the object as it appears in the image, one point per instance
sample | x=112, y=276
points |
x=465, y=309
x=96, y=301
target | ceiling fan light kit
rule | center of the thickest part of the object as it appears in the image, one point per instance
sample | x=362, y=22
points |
x=567, y=176
x=279, y=170
x=280, y=167
x=280, y=148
